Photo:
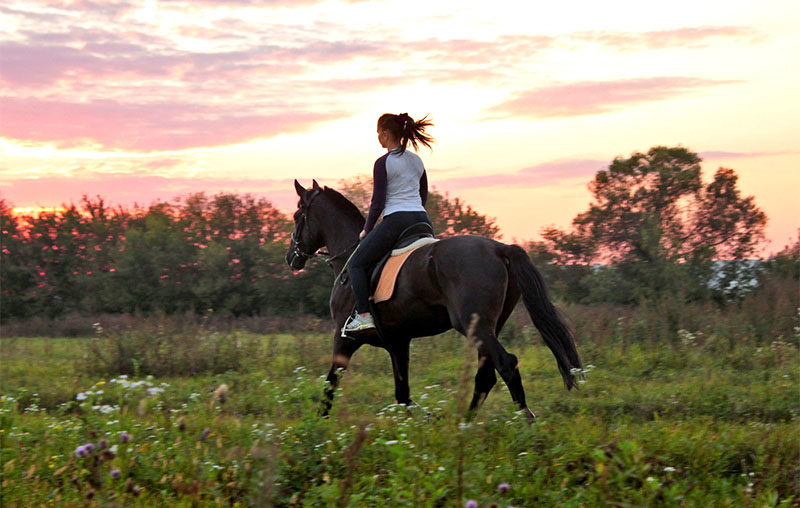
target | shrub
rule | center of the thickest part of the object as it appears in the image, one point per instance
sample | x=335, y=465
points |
x=160, y=351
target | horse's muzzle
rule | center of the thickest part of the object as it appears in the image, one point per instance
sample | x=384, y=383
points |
x=294, y=261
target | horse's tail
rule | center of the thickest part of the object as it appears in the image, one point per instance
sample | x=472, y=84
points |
x=555, y=332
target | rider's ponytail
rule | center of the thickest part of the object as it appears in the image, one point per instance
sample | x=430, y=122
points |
x=405, y=129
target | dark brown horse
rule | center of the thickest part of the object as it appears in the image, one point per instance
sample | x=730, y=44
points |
x=441, y=286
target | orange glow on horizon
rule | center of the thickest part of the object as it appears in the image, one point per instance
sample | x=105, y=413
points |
x=35, y=211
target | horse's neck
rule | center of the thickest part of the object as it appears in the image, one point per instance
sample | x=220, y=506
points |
x=341, y=237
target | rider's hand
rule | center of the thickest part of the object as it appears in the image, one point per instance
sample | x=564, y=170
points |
x=362, y=234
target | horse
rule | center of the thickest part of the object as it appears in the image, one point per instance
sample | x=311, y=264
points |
x=468, y=283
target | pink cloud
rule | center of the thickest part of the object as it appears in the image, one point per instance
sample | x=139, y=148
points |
x=257, y=3
x=542, y=174
x=127, y=190
x=144, y=127
x=494, y=52
x=592, y=97
x=739, y=155
x=38, y=66
x=693, y=37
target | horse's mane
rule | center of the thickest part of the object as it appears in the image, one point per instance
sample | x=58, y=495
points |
x=343, y=203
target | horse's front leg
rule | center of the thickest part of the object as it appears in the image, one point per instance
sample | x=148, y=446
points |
x=343, y=349
x=399, y=352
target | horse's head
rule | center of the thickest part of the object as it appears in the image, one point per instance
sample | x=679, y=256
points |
x=306, y=237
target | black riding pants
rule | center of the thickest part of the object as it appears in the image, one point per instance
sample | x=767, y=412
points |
x=373, y=247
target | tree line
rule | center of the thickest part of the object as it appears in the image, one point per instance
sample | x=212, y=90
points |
x=203, y=254
x=653, y=228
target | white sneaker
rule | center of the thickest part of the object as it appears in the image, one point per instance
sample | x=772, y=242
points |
x=358, y=324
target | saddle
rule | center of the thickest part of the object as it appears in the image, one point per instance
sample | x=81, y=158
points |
x=385, y=272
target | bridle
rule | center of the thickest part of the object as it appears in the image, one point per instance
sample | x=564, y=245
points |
x=298, y=250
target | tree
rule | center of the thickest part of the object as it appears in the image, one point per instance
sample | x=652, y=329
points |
x=17, y=281
x=154, y=268
x=654, y=219
x=235, y=236
x=450, y=217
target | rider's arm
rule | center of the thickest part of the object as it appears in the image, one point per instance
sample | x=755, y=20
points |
x=378, y=194
x=423, y=187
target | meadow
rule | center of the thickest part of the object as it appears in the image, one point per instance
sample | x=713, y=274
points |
x=707, y=414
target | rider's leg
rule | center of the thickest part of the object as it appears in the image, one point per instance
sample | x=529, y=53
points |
x=371, y=249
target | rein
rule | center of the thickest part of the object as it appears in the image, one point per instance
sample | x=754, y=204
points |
x=326, y=256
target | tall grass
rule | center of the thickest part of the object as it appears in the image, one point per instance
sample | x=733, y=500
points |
x=701, y=418
x=167, y=352
x=78, y=325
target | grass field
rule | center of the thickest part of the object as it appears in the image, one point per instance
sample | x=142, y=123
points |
x=207, y=418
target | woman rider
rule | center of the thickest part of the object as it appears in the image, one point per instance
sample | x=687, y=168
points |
x=399, y=191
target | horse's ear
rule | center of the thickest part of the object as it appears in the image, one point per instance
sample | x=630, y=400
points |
x=316, y=186
x=299, y=188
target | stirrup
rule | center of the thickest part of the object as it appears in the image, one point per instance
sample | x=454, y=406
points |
x=365, y=326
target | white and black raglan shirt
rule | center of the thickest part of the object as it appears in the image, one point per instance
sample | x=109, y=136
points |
x=399, y=184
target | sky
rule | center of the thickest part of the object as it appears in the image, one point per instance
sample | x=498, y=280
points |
x=138, y=101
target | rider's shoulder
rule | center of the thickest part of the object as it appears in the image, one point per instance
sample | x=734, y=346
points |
x=382, y=158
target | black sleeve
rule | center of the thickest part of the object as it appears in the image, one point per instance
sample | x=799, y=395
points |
x=423, y=187
x=378, y=193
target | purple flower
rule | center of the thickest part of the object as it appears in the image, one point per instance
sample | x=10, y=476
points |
x=89, y=447
x=115, y=474
x=503, y=487
x=102, y=444
x=124, y=437
x=80, y=451
x=471, y=504
x=205, y=434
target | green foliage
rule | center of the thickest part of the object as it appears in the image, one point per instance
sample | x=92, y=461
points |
x=164, y=352
x=786, y=263
x=449, y=216
x=223, y=254
x=17, y=279
x=661, y=228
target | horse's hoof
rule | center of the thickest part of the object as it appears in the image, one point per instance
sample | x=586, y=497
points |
x=529, y=416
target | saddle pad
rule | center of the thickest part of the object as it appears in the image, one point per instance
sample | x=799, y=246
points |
x=415, y=245
x=385, y=288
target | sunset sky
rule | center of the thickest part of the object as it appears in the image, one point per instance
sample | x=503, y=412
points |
x=144, y=100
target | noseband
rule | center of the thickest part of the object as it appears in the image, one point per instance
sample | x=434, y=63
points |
x=298, y=251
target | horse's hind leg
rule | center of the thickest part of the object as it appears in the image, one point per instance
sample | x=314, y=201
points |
x=506, y=364
x=485, y=379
